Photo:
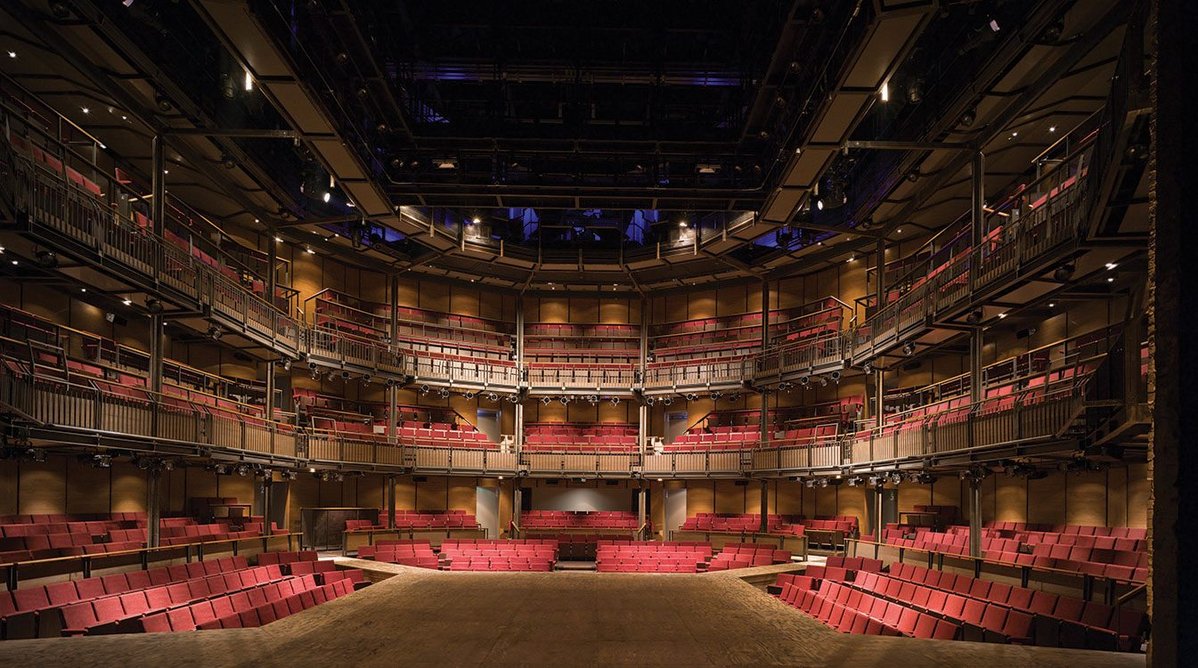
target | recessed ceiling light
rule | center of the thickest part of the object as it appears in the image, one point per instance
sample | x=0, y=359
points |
x=682, y=223
x=86, y=110
x=1111, y=265
x=14, y=261
x=1052, y=128
x=1002, y=315
x=476, y=220
x=82, y=289
x=127, y=302
x=12, y=54
x=1015, y=134
x=309, y=251
x=278, y=240
x=1110, y=279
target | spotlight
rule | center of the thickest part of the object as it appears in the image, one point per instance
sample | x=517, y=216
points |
x=1063, y=273
x=968, y=117
x=974, y=317
x=228, y=161
x=667, y=401
x=443, y=393
x=424, y=389
x=46, y=259
x=649, y=401
x=823, y=381
x=163, y=102
x=564, y=399
x=908, y=348
x=286, y=362
x=803, y=380
x=915, y=91
x=492, y=397
x=690, y=396
x=215, y=332
x=546, y=400
x=835, y=376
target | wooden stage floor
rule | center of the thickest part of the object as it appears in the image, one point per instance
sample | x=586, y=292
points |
x=446, y=619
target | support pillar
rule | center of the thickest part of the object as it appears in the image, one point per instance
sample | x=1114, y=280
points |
x=267, y=480
x=879, y=392
x=764, y=418
x=393, y=388
x=271, y=258
x=765, y=506
x=1173, y=238
x=153, y=504
x=517, y=501
x=518, y=437
x=976, y=234
x=158, y=219
x=879, y=521
x=389, y=495
x=641, y=508
x=642, y=428
x=975, y=517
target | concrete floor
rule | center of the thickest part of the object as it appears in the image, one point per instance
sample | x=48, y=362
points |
x=436, y=618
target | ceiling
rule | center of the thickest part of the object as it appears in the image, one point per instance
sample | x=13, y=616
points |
x=630, y=147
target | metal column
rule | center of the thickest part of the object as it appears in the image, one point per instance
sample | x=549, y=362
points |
x=518, y=425
x=153, y=503
x=266, y=503
x=271, y=258
x=517, y=501
x=158, y=214
x=389, y=495
x=879, y=392
x=975, y=517
x=879, y=521
x=393, y=389
x=977, y=233
x=642, y=413
x=879, y=304
x=641, y=498
x=765, y=505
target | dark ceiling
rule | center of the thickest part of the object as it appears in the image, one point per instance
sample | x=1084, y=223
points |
x=629, y=143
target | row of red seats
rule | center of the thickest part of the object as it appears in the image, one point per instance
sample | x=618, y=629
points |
x=745, y=555
x=1018, y=613
x=406, y=552
x=52, y=518
x=22, y=611
x=1120, y=565
x=850, y=611
x=1070, y=529
x=561, y=519
x=649, y=557
x=236, y=611
x=501, y=564
x=124, y=613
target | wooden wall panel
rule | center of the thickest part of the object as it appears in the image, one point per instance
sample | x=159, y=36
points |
x=910, y=496
x=369, y=491
x=1046, y=499
x=130, y=489
x=1086, y=499
x=584, y=310
x=87, y=488
x=408, y=294
x=1137, y=495
x=431, y=494
x=1010, y=499
x=825, y=502
x=616, y=311
x=405, y=493
x=700, y=304
x=788, y=497
x=9, y=475
x=463, y=301
x=434, y=296
x=729, y=497
x=555, y=309
x=989, y=500
x=946, y=491
x=303, y=492
x=462, y=495
x=850, y=502
x=700, y=497
x=236, y=486
x=43, y=487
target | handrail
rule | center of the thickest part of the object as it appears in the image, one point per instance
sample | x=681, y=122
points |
x=1133, y=593
x=145, y=554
